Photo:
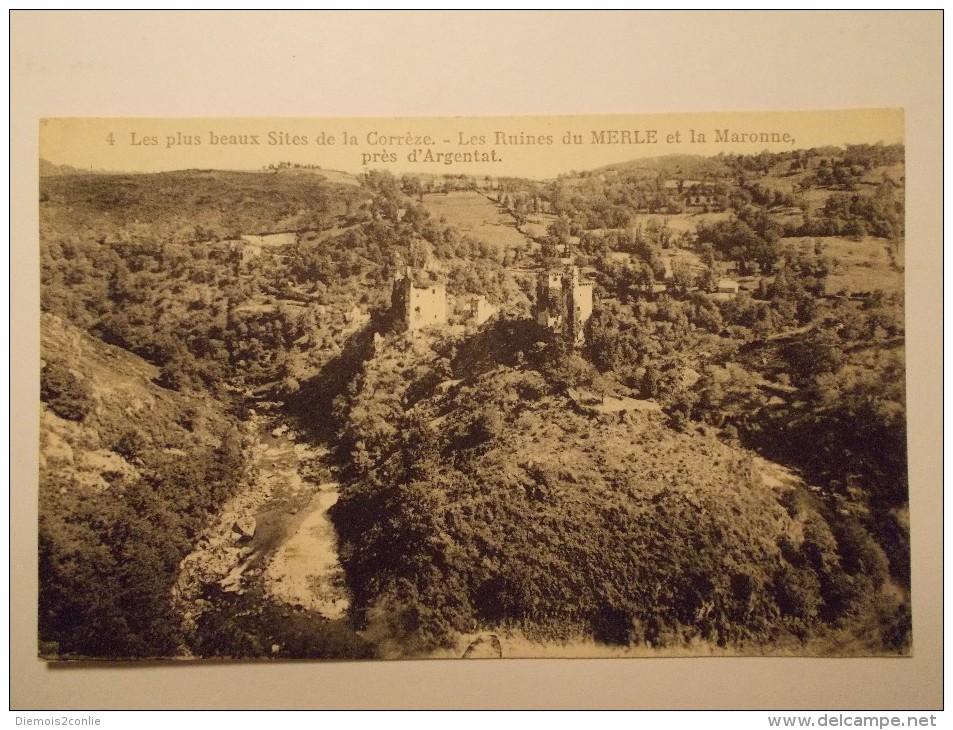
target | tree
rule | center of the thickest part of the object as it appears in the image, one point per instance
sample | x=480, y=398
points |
x=816, y=353
x=708, y=280
x=682, y=279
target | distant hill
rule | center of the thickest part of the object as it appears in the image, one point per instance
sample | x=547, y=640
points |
x=685, y=166
x=188, y=205
x=50, y=169
x=338, y=177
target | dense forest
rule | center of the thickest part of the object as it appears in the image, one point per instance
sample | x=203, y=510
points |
x=713, y=467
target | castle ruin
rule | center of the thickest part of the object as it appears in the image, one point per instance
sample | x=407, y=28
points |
x=564, y=303
x=481, y=310
x=418, y=307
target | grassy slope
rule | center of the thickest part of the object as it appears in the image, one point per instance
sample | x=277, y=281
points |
x=861, y=266
x=124, y=397
x=121, y=493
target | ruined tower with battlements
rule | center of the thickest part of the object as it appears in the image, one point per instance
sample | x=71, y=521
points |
x=564, y=303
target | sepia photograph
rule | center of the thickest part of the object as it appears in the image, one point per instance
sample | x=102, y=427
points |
x=626, y=386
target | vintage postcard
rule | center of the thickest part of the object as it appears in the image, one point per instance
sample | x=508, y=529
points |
x=585, y=386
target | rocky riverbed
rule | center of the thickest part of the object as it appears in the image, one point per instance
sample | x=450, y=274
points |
x=273, y=536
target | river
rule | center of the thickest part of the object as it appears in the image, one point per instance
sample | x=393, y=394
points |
x=274, y=536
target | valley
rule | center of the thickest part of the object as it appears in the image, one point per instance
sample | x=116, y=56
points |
x=655, y=409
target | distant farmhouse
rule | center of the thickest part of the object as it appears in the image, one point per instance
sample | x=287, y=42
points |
x=726, y=290
x=693, y=192
x=727, y=286
x=564, y=303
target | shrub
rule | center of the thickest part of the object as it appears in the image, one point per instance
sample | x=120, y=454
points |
x=131, y=443
x=791, y=502
x=64, y=393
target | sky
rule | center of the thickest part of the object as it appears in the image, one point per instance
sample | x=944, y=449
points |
x=536, y=147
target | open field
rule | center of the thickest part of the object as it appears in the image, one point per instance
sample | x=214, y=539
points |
x=476, y=215
x=685, y=255
x=676, y=223
x=858, y=265
x=332, y=176
x=538, y=223
x=681, y=222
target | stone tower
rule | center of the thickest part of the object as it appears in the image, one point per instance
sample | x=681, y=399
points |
x=578, y=305
x=417, y=307
x=564, y=303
